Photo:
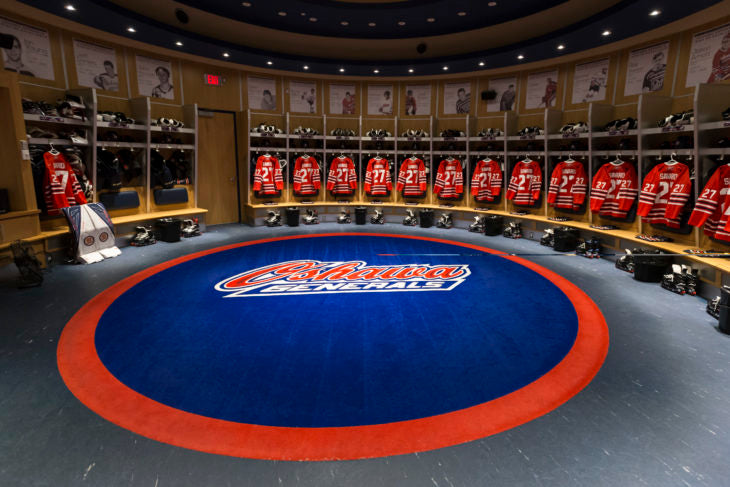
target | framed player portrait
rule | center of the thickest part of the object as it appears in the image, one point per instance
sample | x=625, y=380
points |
x=590, y=81
x=709, y=60
x=646, y=69
x=542, y=89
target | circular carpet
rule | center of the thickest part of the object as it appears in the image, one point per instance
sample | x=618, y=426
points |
x=332, y=346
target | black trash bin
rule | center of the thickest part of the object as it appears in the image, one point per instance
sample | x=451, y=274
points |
x=361, y=215
x=493, y=225
x=168, y=229
x=651, y=267
x=292, y=216
x=425, y=217
x=566, y=239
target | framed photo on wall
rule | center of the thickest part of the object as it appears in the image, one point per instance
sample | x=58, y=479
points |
x=96, y=66
x=590, y=81
x=542, y=89
x=457, y=98
x=261, y=93
x=302, y=97
x=380, y=99
x=30, y=52
x=709, y=59
x=506, y=89
x=646, y=69
x=343, y=99
x=154, y=77
x=418, y=100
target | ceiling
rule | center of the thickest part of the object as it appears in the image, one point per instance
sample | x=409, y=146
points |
x=262, y=27
x=464, y=36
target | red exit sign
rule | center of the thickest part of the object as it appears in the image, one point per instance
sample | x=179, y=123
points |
x=213, y=79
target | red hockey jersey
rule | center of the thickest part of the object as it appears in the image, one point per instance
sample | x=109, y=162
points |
x=567, y=185
x=665, y=191
x=377, y=177
x=61, y=189
x=412, y=177
x=713, y=206
x=449, y=179
x=524, y=185
x=306, y=176
x=486, y=181
x=342, y=178
x=267, y=179
x=614, y=189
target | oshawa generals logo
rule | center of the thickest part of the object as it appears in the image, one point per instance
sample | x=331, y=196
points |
x=315, y=277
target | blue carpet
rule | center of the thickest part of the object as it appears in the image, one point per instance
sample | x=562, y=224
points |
x=335, y=359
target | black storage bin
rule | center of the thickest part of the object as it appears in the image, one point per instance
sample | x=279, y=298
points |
x=724, y=320
x=168, y=229
x=425, y=217
x=361, y=215
x=650, y=267
x=493, y=225
x=292, y=217
x=566, y=239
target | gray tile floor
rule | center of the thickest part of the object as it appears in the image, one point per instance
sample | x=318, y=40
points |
x=657, y=413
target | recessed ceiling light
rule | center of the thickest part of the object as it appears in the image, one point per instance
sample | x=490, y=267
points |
x=131, y=29
x=371, y=24
x=344, y=22
x=401, y=22
x=246, y=4
x=445, y=68
x=303, y=14
x=461, y=14
x=269, y=63
x=606, y=33
x=492, y=4
x=376, y=71
x=178, y=43
x=282, y=13
x=225, y=54
x=305, y=68
x=342, y=70
x=410, y=70
x=521, y=56
x=312, y=19
x=481, y=63
x=561, y=47
x=70, y=8
x=655, y=12
x=430, y=19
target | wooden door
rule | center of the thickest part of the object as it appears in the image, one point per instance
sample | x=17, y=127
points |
x=217, y=172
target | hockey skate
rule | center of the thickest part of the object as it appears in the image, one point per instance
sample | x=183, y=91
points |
x=513, y=230
x=410, y=219
x=445, y=221
x=190, y=228
x=583, y=249
x=31, y=274
x=675, y=281
x=691, y=279
x=478, y=225
x=713, y=307
x=548, y=238
x=377, y=218
x=274, y=219
x=595, y=248
x=344, y=217
x=144, y=236
x=311, y=218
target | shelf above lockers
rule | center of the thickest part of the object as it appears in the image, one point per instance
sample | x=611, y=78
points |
x=121, y=126
x=668, y=152
x=59, y=142
x=172, y=146
x=567, y=136
x=122, y=145
x=177, y=130
x=668, y=130
x=721, y=125
x=501, y=138
x=617, y=133
x=378, y=139
x=450, y=139
x=32, y=117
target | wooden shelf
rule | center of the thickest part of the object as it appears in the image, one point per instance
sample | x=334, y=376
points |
x=32, y=117
x=120, y=126
x=667, y=130
x=59, y=142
